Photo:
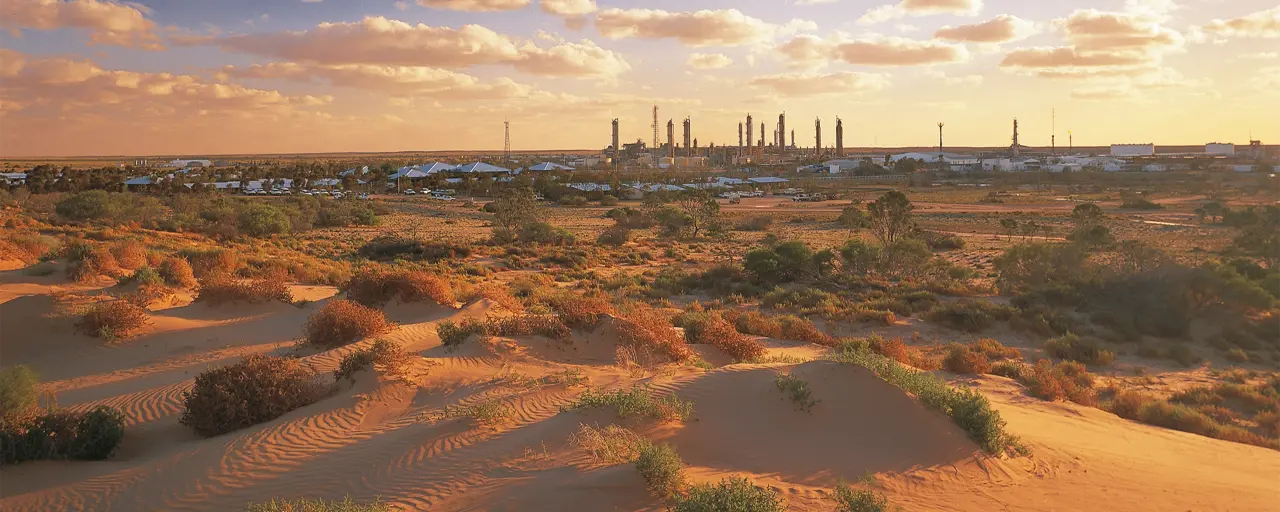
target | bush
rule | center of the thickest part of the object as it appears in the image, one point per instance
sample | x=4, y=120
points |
x=255, y=390
x=548, y=326
x=87, y=435
x=392, y=247
x=649, y=330
x=610, y=445
x=860, y=258
x=854, y=217
x=144, y=276
x=969, y=315
x=90, y=205
x=1008, y=368
x=608, y=200
x=795, y=328
x=222, y=288
x=1138, y=203
x=27, y=248
x=849, y=499
x=112, y=320
x=572, y=200
x=635, y=402
x=993, y=349
x=452, y=335
x=662, y=469
x=262, y=220
x=341, y=322
x=730, y=495
x=796, y=389
x=756, y=323
x=783, y=263
x=176, y=271
x=86, y=262
x=1067, y=380
x=489, y=413
x=756, y=223
x=1071, y=347
x=383, y=355
x=375, y=287
x=964, y=360
x=129, y=255
x=615, y=236
x=17, y=393
x=580, y=311
x=1183, y=355
x=1153, y=411
x=319, y=505
x=967, y=408
x=213, y=263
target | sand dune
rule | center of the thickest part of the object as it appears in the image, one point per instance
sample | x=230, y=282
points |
x=376, y=436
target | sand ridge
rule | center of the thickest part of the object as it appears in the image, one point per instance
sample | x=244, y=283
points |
x=377, y=436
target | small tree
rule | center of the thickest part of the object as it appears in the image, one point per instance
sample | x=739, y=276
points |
x=1010, y=226
x=1087, y=215
x=702, y=210
x=514, y=210
x=890, y=217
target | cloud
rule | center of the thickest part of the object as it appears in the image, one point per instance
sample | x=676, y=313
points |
x=62, y=85
x=475, y=5
x=1091, y=30
x=1001, y=29
x=1262, y=24
x=393, y=80
x=1259, y=56
x=1068, y=57
x=811, y=84
x=568, y=7
x=1108, y=93
x=807, y=51
x=108, y=23
x=708, y=60
x=1267, y=80
x=1103, y=44
x=920, y=8
x=701, y=28
x=378, y=40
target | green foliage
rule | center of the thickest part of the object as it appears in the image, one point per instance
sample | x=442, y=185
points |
x=782, y=263
x=89, y=205
x=796, y=389
x=254, y=390
x=662, y=469
x=967, y=408
x=18, y=393
x=262, y=220
x=730, y=495
x=615, y=236
x=318, y=505
x=637, y=401
x=859, y=257
x=453, y=334
x=854, y=217
x=488, y=413
x=1154, y=411
x=1087, y=351
x=890, y=217
x=1028, y=266
x=87, y=435
x=849, y=499
x=970, y=315
x=390, y=247
x=343, y=213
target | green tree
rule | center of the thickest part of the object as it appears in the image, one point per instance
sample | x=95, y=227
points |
x=1087, y=215
x=263, y=220
x=1260, y=237
x=514, y=210
x=1010, y=226
x=890, y=217
x=702, y=211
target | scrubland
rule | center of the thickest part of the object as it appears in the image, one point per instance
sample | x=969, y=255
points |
x=929, y=348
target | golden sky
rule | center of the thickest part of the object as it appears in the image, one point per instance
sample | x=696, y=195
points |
x=177, y=77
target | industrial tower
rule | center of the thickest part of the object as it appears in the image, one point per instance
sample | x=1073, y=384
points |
x=506, y=141
x=671, y=138
x=762, y=138
x=782, y=131
x=739, y=136
x=751, y=141
x=615, y=138
x=839, y=138
x=793, y=138
x=655, y=125
x=817, y=136
x=1053, y=134
x=1015, y=136
x=688, y=148
x=940, y=125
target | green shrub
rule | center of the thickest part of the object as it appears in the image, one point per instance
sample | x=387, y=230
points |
x=319, y=505
x=340, y=322
x=967, y=408
x=849, y=499
x=18, y=393
x=488, y=413
x=756, y=223
x=453, y=334
x=796, y=389
x=255, y=390
x=87, y=435
x=662, y=469
x=1008, y=368
x=1087, y=351
x=969, y=315
x=392, y=247
x=262, y=220
x=783, y=263
x=112, y=320
x=730, y=495
x=90, y=205
x=615, y=236
x=635, y=402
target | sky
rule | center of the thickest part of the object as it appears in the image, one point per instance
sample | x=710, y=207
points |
x=205, y=77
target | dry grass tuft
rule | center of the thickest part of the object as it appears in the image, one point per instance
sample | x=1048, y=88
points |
x=341, y=322
x=581, y=311
x=549, y=326
x=87, y=263
x=384, y=356
x=1067, y=380
x=608, y=445
x=649, y=330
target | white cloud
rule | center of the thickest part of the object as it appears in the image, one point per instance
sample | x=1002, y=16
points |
x=108, y=23
x=708, y=61
x=726, y=27
x=1001, y=29
x=1261, y=24
x=920, y=8
x=392, y=80
x=811, y=84
x=476, y=5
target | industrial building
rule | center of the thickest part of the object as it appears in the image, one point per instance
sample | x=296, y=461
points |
x=1220, y=149
x=1132, y=150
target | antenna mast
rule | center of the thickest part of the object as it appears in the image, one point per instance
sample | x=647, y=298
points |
x=506, y=140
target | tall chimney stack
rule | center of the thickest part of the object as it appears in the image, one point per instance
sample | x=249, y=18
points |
x=688, y=140
x=615, y=137
x=839, y=137
x=751, y=141
x=817, y=136
x=782, y=131
x=671, y=138
x=739, y=135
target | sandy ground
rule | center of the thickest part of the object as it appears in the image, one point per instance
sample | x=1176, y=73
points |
x=377, y=437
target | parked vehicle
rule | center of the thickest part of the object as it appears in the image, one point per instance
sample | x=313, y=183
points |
x=806, y=198
x=410, y=192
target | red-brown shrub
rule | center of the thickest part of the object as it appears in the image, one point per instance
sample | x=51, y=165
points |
x=754, y=322
x=341, y=322
x=95, y=262
x=216, y=289
x=650, y=330
x=374, y=287
x=112, y=320
x=177, y=272
x=993, y=349
x=720, y=334
x=549, y=326
x=129, y=255
x=581, y=311
x=799, y=329
x=893, y=349
x=499, y=295
x=252, y=391
x=217, y=262
x=963, y=360
x=1068, y=380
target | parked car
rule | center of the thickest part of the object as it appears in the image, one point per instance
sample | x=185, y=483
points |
x=410, y=192
x=806, y=198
